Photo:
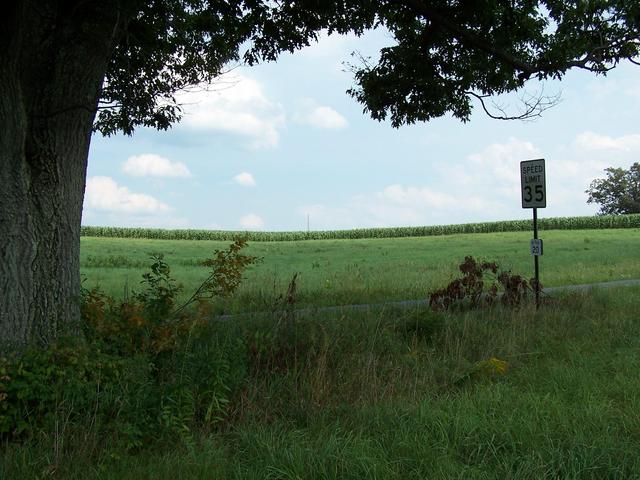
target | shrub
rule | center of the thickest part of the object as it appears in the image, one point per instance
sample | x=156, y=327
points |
x=145, y=369
x=150, y=321
x=474, y=290
x=35, y=384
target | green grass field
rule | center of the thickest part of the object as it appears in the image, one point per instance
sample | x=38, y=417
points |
x=489, y=393
x=403, y=395
x=367, y=270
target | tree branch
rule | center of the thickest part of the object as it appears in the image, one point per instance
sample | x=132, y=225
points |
x=470, y=38
x=593, y=55
x=534, y=106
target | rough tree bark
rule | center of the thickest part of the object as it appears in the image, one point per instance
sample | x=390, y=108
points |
x=53, y=58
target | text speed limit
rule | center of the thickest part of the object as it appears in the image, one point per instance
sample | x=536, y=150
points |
x=533, y=183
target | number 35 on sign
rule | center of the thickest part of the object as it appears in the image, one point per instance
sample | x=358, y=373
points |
x=532, y=180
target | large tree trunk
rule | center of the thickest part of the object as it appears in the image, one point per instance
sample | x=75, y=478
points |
x=53, y=57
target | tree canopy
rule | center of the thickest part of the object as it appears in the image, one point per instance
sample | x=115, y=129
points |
x=443, y=55
x=166, y=46
x=448, y=54
x=618, y=193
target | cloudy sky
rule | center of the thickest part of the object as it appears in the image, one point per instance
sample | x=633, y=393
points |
x=267, y=147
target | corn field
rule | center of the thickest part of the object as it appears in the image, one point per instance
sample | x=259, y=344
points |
x=559, y=223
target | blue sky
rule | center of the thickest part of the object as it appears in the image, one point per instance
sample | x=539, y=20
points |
x=267, y=146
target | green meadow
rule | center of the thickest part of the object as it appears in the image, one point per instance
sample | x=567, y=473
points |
x=334, y=272
x=467, y=393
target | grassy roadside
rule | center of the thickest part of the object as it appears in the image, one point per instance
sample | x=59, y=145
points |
x=405, y=395
x=361, y=271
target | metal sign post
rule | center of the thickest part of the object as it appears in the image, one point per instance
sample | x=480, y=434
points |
x=534, y=195
x=536, y=255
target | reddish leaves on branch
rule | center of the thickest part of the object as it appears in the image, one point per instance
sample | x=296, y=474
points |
x=469, y=290
x=150, y=321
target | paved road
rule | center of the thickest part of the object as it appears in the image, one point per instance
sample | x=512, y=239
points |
x=424, y=302
x=587, y=286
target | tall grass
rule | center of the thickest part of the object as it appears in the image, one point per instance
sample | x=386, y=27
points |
x=559, y=223
x=400, y=395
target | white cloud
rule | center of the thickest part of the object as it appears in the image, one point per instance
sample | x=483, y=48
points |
x=319, y=116
x=399, y=205
x=104, y=194
x=492, y=172
x=595, y=141
x=433, y=200
x=245, y=179
x=501, y=161
x=235, y=104
x=251, y=221
x=575, y=166
x=486, y=184
x=400, y=195
x=152, y=165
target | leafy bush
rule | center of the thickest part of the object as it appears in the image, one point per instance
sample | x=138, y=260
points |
x=474, y=290
x=145, y=369
x=36, y=384
x=150, y=321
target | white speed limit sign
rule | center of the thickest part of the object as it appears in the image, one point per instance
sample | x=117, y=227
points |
x=532, y=180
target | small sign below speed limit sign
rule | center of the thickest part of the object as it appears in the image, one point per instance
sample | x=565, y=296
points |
x=536, y=247
x=532, y=180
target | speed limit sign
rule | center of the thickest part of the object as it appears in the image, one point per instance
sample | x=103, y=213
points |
x=532, y=181
x=534, y=195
